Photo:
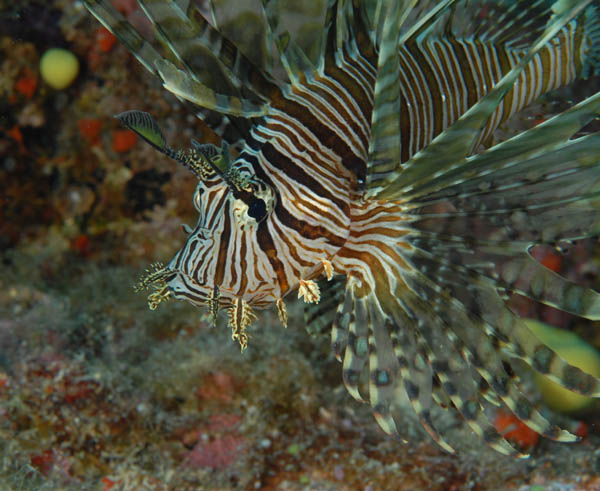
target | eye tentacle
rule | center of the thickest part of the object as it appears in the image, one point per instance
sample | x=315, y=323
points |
x=195, y=159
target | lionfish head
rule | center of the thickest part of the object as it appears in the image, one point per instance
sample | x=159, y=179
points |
x=231, y=206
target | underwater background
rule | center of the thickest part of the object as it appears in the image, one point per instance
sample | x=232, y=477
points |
x=97, y=392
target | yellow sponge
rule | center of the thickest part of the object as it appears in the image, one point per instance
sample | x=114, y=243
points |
x=578, y=353
x=59, y=67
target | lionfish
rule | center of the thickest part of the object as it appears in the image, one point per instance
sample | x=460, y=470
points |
x=367, y=177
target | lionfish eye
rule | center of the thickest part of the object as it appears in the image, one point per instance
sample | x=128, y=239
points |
x=257, y=210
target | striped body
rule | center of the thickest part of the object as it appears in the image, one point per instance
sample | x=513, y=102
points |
x=375, y=164
x=312, y=148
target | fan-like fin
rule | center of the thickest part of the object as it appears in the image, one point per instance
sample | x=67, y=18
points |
x=383, y=368
x=535, y=141
x=475, y=341
x=357, y=348
x=414, y=368
x=455, y=143
x=476, y=294
x=319, y=317
x=195, y=41
x=181, y=84
x=294, y=60
x=420, y=29
x=385, y=144
x=451, y=361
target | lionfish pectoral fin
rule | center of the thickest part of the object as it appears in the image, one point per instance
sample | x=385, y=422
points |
x=112, y=19
x=398, y=365
x=385, y=142
x=378, y=346
x=441, y=351
x=294, y=60
x=455, y=143
x=183, y=85
x=550, y=134
x=319, y=317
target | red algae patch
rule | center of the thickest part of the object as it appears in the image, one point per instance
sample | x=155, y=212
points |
x=515, y=430
x=123, y=140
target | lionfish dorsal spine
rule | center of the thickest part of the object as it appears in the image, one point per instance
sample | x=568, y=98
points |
x=457, y=141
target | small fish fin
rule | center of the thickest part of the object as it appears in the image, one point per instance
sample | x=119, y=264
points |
x=182, y=85
x=385, y=143
x=456, y=142
x=319, y=317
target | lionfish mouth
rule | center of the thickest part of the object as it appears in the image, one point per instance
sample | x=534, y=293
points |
x=167, y=283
